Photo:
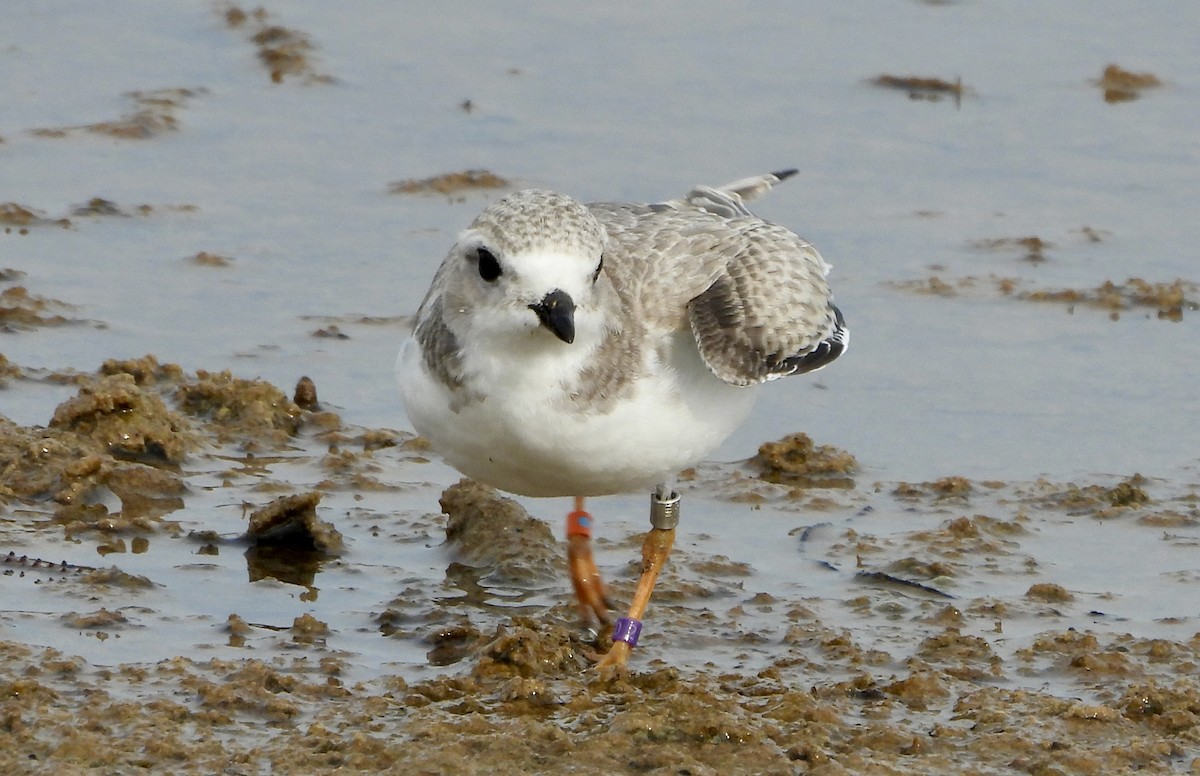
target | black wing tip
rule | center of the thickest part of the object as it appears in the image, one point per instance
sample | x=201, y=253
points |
x=785, y=174
x=823, y=354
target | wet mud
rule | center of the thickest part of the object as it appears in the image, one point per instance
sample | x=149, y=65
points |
x=1165, y=300
x=451, y=184
x=199, y=574
x=1121, y=85
x=923, y=657
x=285, y=53
x=923, y=87
x=154, y=113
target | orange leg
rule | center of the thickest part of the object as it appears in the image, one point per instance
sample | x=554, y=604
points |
x=585, y=577
x=664, y=515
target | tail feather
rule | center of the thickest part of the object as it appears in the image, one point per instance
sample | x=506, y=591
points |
x=730, y=200
x=752, y=188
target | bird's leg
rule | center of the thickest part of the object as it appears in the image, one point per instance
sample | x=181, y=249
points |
x=585, y=577
x=664, y=516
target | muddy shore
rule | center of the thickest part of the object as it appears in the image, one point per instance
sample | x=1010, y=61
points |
x=793, y=685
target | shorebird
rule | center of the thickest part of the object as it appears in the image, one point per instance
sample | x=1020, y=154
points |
x=571, y=349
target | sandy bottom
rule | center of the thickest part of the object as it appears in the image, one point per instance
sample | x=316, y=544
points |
x=923, y=658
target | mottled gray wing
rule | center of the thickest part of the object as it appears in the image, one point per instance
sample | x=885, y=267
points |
x=753, y=293
x=770, y=313
x=662, y=255
x=439, y=346
x=660, y=258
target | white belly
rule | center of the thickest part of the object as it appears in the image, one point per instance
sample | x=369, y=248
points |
x=523, y=437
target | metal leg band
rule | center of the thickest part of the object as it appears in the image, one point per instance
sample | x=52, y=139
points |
x=664, y=512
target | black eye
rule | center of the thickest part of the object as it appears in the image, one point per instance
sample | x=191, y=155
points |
x=489, y=268
x=599, y=267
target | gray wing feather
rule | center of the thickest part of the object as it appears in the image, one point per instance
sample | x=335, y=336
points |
x=753, y=293
x=770, y=313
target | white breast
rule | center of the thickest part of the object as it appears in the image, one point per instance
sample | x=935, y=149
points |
x=527, y=436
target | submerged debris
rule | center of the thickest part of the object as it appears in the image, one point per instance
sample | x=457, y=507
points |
x=951, y=488
x=1120, y=85
x=1094, y=499
x=1034, y=247
x=922, y=88
x=12, y=214
x=115, y=577
x=284, y=52
x=450, y=183
x=8, y=371
x=153, y=115
x=22, y=311
x=206, y=259
x=1170, y=300
x=882, y=578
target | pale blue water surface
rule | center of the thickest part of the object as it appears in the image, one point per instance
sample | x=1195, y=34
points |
x=623, y=101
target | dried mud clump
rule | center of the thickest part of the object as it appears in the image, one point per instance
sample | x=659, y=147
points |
x=145, y=371
x=289, y=542
x=128, y=421
x=293, y=521
x=284, y=52
x=1034, y=247
x=307, y=629
x=922, y=88
x=39, y=464
x=70, y=473
x=20, y=310
x=8, y=371
x=529, y=649
x=145, y=492
x=1169, y=300
x=305, y=395
x=153, y=115
x=490, y=531
x=250, y=411
x=1128, y=493
x=795, y=459
x=12, y=214
x=99, y=207
x=450, y=183
x=1121, y=85
x=952, y=488
x=1050, y=593
x=206, y=259
x=1097, y=500
x=933, y=286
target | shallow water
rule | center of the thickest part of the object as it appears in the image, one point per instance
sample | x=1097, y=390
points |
x=290, y=182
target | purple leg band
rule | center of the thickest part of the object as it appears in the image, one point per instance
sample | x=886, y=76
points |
x=627, y=629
